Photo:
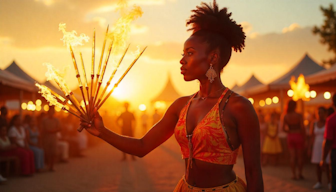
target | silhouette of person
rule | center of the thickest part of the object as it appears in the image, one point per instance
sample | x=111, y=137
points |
x=127, y=122
x=144, y=121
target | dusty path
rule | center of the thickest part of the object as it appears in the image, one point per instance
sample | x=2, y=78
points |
x=159, y=171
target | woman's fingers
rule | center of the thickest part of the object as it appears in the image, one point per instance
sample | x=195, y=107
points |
x=84, y=124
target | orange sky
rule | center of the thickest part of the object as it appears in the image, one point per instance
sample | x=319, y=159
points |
x=276, y=40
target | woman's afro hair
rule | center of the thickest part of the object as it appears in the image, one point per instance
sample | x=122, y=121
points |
x=209, y=18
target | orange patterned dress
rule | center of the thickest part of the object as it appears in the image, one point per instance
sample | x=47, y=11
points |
x=208, y=142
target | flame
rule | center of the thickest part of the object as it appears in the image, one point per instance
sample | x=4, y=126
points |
x=300, y=88
x=121, y=29
x=58, y=77
x=46, y=93
x=70, y=38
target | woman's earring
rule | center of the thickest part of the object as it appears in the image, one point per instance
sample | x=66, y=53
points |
x=211, y=73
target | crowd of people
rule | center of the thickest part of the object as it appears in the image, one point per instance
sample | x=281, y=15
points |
x=294, y=137
x=40, y=142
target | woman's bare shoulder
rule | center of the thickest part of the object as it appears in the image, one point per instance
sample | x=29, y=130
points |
x=240, y=106
x=179, y=103
x=239, y=101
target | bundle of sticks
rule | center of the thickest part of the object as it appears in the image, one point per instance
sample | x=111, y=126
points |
x=93, y=97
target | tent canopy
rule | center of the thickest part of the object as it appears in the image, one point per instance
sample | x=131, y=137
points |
x=252, y=82
x=11, y=80
x=16, y=70
x=168, y=94
x=322, y=76
x=306, y=66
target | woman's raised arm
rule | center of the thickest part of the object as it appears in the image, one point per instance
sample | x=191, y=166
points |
x=158, y=134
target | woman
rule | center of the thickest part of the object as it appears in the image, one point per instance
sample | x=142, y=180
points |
x=316, y=141
x=293, y=126
x=34, y=141
x=16, y=145
x=211, y=124
x=272, y=146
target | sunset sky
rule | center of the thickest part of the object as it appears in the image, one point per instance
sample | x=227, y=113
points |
x=278, y=36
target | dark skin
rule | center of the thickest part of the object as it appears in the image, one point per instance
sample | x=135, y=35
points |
x=17, y=125
x=295, y=154
x=322, y=114
x=3, y=136
x=239, y=119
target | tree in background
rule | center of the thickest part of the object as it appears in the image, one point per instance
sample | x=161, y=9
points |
x=327, y=32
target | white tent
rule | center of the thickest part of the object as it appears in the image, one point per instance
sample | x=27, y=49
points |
x=168, y=94
x=306, y=67
x=11, y=80
x=252, y=82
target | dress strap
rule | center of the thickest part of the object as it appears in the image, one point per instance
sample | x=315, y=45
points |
x=223, y=126
x=222, y=96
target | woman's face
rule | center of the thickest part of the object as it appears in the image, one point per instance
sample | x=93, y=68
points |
x=195, y=61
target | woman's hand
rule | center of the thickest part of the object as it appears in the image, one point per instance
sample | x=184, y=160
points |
x=96, y=126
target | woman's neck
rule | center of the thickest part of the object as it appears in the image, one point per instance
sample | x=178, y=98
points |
x=213, y=89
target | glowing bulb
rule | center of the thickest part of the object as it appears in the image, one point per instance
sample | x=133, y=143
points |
x=313, y=94
x=307, y=94
x=30, y=103
x=38, y=102
x=290, y=93
x=24, y=106
x=33, y=107
x=142, y=107
x=57, y=109
x=327, y=95
x=160, y=105
x=275, y=99
x=262, y=103
x=38, y=107
x=268, y=101
x=46, y=107
x=251, y=100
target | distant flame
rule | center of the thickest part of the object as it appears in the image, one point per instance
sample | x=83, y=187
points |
x=122, y=27
x=58, y=77
x=70, y=38
x=46, y=93
x=300, y=88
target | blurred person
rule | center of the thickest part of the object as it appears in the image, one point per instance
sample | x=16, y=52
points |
x=17, y=136
x=263, y=127
x=70, y=134
x=2, y=179
x=293, y=126
x=50, y=126
x=330, y=111
x=3, y=116
x=272, y=146
x=127, y=125
x=144, y=122
x=62, y=148
x=209, y=125
x=329, y=144
x=34, y=142
x=315, y=146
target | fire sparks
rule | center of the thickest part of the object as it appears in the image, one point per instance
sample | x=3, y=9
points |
x=70, y=38
x=46, y=93
x=58, y=77
x=300, y=88
x=117, y=37
x=122, y=27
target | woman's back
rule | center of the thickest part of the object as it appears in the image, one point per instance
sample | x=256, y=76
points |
x=293, y=121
